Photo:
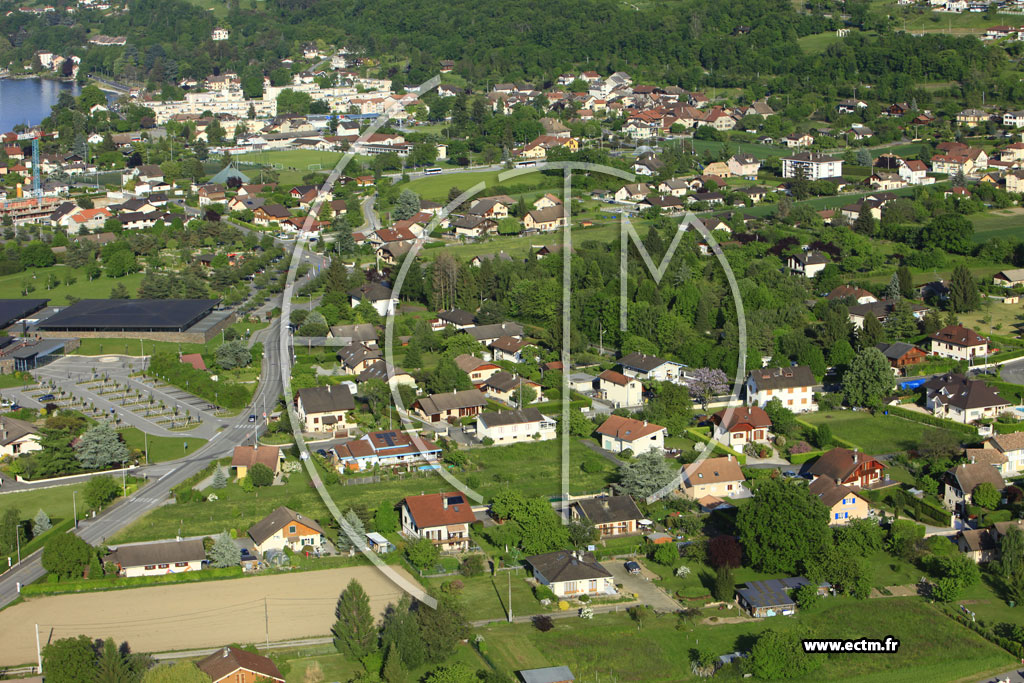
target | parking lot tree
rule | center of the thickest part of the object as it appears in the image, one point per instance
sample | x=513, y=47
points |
x=100, y=447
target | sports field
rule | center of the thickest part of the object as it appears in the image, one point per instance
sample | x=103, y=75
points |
x=192, y=615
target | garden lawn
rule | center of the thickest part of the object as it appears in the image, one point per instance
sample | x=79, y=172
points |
x=83, y=288
x=872, y=434
x=337, y=668
x=486, y=597
x=56, y=501
x=533, y=468
x=932, y=647
x=161, y=448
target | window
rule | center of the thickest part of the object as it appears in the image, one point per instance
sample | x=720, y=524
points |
x=316, y=420
x=593, y=585
x=837, y=515
x=150, y=567
x=164, y=566
x=181, y=564
x=292, y=529
x=570, y=587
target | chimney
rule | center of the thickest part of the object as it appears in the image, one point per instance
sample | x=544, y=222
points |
x=227, y=651
x=855, y=456
x=729, y=456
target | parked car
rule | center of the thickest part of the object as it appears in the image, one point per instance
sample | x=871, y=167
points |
x=46, y=397
x=633, y=567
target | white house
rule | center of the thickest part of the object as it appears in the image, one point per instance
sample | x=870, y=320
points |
x=323, y=409
x=513, y=426
x=154, y=559
x=644, y=367
x=17, y=437
x=285, y=528
x=382, y=298
x=619, y=390
x=959, y=342
x=570, y=574
x=814, y=166
x=444, y=518
x=624, y=433
x=793, y=386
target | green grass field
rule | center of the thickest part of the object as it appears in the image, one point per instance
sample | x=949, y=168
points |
x=295, y=159
x=435, y=187
x=98, y=346
x=56, y=501
x=1006, y=224
x=932, y=647
x=11, y=286
x=336, y=667
x=162, y=448
x=818, y=42
x=490, y=470
x=872, y=434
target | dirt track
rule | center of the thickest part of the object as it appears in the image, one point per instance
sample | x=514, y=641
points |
x=191, y=615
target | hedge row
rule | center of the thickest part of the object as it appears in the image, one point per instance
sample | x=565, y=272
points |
x=836, y=441
x=117, y=583
x=931, y=420
x=1011, y=646
x=185, y=488
x=922, y=511
x=167, y=367
x=1008, y=428
x=801, y=458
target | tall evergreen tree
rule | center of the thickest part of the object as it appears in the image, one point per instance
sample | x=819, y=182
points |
x=963, y=290
x=224, y=552
x=871, y=333
x=354, y=631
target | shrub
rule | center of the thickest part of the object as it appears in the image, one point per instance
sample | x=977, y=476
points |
x=472, y=566
x=544, y=623
x=543, y=593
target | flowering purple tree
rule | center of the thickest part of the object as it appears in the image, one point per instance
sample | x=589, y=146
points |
x=707, y=382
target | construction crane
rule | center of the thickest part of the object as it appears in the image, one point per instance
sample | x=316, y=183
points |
x=35, y=136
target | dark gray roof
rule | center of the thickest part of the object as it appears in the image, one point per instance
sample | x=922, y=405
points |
x=549, y=674
x=771, y=592
x=641, y=362
x=12, y=429
x=12, y=310
x=510, y=417
x=504, y=381
x=895, y=350
x=326, y=399
x=166, y=552
x=608, y=510
x=357, y=353
x=782, y=378
x=563, y=565
x=168, y=315
x=374, y=291
x=496, y=330
x=457, y=316
x=380, y=370
x=275, y=521
x=360, y=332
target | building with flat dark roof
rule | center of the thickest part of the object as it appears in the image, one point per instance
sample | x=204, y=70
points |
x=176, y=320
x=13, y=310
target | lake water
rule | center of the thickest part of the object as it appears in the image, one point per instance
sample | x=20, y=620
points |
x=29, y=100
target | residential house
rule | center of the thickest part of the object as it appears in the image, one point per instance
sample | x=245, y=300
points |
x=738, y=426
x=842, y=502
x=450, y=406
x=1011, y=446
x=673, y=187
x=619, y=390
x=624, y=433
x=773, y=597
x=901, y=355
x=17, y=437
x=514, y=426
x=959, y=342
x=358, y=356
x=857, y=294
x=794, y=386
x=610, y=515
x=544, y=220
x=644, y=367
x=808, y=263
x=488, y=334
x=797, y=140
x=954, y=397
x=813, y=166
x=989, y=456
x=744, y=166
x=972, y=118
x=244, y=457
x=286, y=528
x=479, y=371
x=505, y=387
x=570, y=574
x=233, y=665
x=325, y=409
x=270, y=213
x=960, y=482
x=507, y=349
x=380, y=297
x=1011, y=277
x=363, y=333
x=546, y=202
x=858, y=313
x=632, y=193
x=718, y=477
x=443, y=518
x=389, y=374
x=385, y=449
x=848, y=468
x=457, y=318
x=154, y=559
x=982, y=545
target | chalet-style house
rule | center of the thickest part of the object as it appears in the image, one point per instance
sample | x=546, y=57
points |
x=570, y=574
x=611, y=516
x=717, y=477
x=385, y=449
x=356, y=357
x=848, y=468
x=619, y=390
x=444, y=518
x=479, y=371
x=959, y=483
x=842, y=502
x=325, y=409
x=959, y=342
x=451, y=406
x=901, y=355
x=508, y=349
x=244, y=457
x=153, y=559
x=644, y=367
x=808, y=263
x=738, y=426
x=624, y=433
x=513, y=426
x=963, y=400
x=17, y=437
x=286, y=528
x=232, y=665
x=793, y=386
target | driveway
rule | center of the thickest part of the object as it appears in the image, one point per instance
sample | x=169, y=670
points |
x=643, y=585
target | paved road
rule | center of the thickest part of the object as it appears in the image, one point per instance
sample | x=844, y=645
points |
x=370, y=217
x=1013, y=372
x=155, y=493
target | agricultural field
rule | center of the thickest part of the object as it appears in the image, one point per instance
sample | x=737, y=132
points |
x=1001, y=223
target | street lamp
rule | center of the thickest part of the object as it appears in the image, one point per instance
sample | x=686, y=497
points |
x=17, y=536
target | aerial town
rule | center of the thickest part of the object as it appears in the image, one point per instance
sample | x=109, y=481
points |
x=480, y=343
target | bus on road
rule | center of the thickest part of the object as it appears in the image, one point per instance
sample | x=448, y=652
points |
x=431, y=171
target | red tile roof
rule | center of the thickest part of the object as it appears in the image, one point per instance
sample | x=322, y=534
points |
x=429, y=510
x=627, y=429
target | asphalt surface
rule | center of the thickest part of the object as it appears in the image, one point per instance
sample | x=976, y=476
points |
x=123, y=513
